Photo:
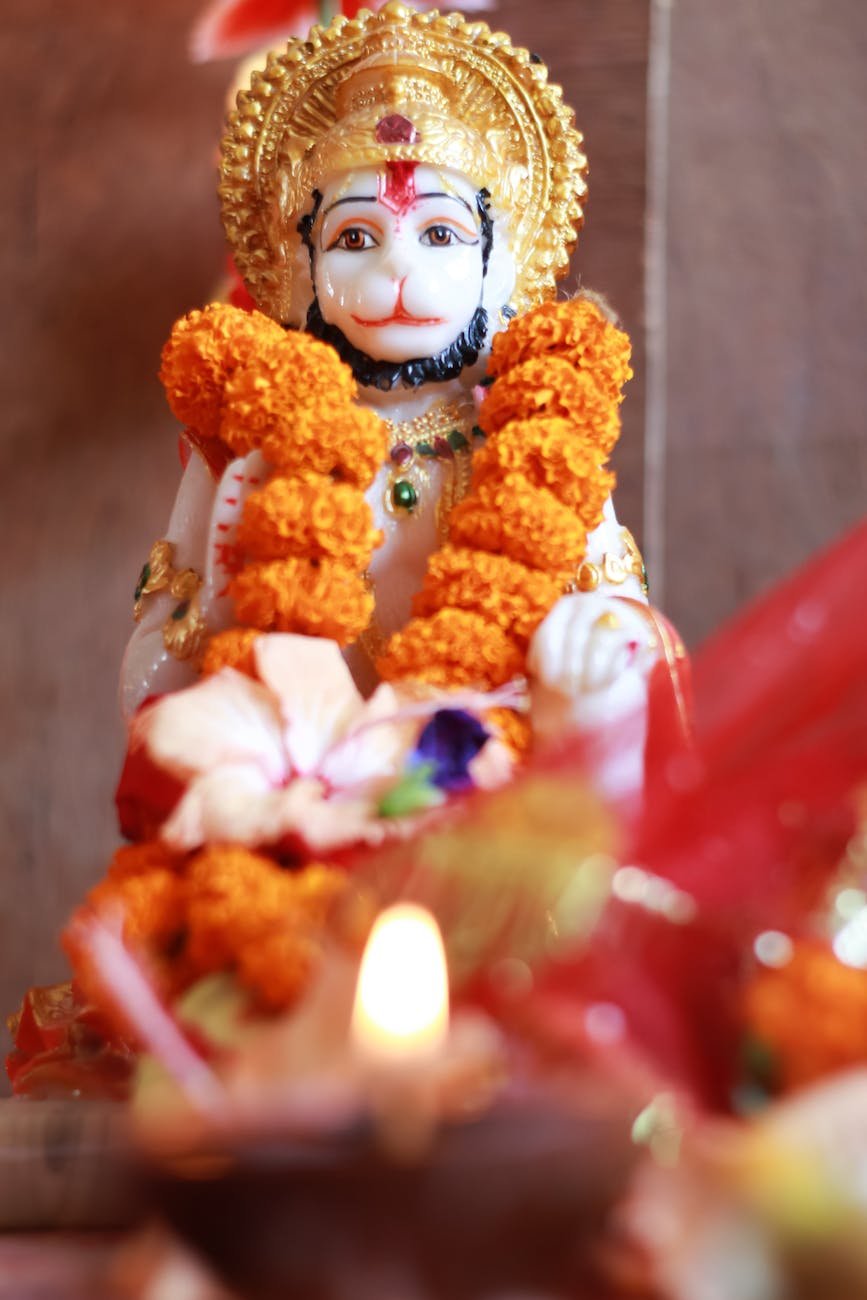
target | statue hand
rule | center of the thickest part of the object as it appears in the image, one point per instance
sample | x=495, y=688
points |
x=588, y=666
x=588, y=642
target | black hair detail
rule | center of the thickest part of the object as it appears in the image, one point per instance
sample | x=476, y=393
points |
x=483, y=205
x=507, y=312
x=386, y=375
x=306, y=224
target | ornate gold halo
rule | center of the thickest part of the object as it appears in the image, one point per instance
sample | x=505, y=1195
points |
x=498, y=100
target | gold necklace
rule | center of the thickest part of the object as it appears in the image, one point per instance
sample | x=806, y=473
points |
x=445, y=435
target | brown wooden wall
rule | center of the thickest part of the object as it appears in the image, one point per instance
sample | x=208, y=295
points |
x=112, y=232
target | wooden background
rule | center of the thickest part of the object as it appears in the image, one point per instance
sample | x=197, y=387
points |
x=111, y=231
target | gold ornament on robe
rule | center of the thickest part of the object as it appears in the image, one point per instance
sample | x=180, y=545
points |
x=476, y=105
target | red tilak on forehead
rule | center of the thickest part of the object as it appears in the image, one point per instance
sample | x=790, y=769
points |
x=396, y=189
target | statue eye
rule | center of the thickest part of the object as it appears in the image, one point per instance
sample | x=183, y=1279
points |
x=354, y=239
x=439, y=237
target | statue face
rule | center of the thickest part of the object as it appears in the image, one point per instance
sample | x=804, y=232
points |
x=398, y=259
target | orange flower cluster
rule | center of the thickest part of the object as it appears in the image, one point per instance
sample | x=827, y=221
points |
x=311, y=597
x=453, y=647
x=231, y=649
x=512, y=728
x=203, y=352
x=144, y=881
x=578, y=331
x=548, y=455
x=538, y=488
x=308, y=515
x=224, y=909
x=510, y=516
x=550, y=387
x=504, y=591
x=246, y=913
x=303, y=429
x=811, y=1014
x=239, y=378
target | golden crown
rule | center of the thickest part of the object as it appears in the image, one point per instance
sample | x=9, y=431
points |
x=401, y=85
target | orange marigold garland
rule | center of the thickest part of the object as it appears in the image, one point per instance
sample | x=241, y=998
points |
x=528, y=524
x=146, y=891
x=248, y=914
x=454, y=647
x=285, y=376
x=226, y=908
x=507, y=593
x=309, y=515
x=231, y=649
x=810, y=1015
x=234, y=895
x=546, y=451
x=538, y=487
x=325, y=435
x=577, y=331
x=551, y=387
x=311, y=597
x=238, y=377
x=203, y=351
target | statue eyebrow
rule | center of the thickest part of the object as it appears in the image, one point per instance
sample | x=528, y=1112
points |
x=365, y=198
x=360, y=198
x=441, y=194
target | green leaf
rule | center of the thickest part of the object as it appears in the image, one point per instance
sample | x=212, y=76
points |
x=412, y=793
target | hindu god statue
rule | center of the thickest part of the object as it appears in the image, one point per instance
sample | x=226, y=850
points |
x=393, y=567
x=401, y=192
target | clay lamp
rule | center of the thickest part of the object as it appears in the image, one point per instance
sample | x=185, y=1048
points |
x=431, y=1172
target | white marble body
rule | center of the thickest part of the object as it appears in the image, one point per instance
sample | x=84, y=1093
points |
x=397, y=296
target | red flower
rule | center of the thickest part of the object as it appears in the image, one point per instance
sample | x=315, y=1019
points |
x=232, y=28
x=63, y=1045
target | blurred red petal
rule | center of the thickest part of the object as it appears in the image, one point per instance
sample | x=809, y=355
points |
x=233, y=28
x=145, y=794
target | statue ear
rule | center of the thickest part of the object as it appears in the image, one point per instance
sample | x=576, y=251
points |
x=500, y=277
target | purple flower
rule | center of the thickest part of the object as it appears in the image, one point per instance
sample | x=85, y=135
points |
x=448, y=744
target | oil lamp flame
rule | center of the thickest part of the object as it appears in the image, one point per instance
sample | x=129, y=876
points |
x=401, y=1010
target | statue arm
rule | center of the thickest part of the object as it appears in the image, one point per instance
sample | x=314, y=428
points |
x=590, y=659
x=148, y=667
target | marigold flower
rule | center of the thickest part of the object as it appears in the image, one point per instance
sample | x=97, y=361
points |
x=203, y=351
x=245, y=912
x=550, y=453
x=511, y=517
x=311, y=597
x=293, y=402
x=151, y=901
x=507, y=593
x=277, y=965
x=231, y=649
x=551, y=387
x=234, y=896
x=576, y=330
x=513, y=729
x=454, y=647
x=811, y=1013
x=137, y=859
x=309, y=515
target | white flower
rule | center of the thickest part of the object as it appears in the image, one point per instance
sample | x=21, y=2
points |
x=299, y=752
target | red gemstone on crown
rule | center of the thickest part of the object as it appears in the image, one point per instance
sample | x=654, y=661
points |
x=396, y=129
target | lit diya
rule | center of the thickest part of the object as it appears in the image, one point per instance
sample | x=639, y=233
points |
x=398, y=1151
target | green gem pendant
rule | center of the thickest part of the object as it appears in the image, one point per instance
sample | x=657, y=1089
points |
x=404, y=495
x=142, y=582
